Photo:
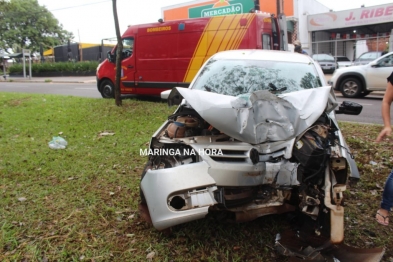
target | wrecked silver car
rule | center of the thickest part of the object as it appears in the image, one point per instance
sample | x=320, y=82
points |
x=254, y=134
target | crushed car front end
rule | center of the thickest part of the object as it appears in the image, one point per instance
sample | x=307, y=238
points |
x=255, y=134
x=195, y=168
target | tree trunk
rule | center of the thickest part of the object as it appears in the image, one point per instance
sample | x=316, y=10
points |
x=119, y=51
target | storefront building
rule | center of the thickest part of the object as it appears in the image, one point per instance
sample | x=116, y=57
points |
x=295, y=10
x=352, y=32
x=320, y=30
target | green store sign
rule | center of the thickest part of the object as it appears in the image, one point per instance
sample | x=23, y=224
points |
x=222, y=7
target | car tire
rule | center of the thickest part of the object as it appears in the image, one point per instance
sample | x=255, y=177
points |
x=351, y=87
x=107, y=89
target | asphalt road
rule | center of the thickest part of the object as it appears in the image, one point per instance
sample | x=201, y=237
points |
x=371, y=104
x=72, y=89
x=371, y=112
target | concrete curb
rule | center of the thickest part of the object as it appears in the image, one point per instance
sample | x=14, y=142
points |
x=48, y=81
x=53, y=82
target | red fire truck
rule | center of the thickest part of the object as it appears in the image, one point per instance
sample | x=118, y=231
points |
x=159, y=56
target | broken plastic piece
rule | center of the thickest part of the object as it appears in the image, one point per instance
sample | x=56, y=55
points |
x=58, y=143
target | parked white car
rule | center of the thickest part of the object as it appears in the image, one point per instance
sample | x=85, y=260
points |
x=254, y=134
x=359, y=81
x=367, y=57
x=327, y=62
x=343, y=61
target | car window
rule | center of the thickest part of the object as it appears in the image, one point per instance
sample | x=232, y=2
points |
x=369, y=56
x=237, y=77
x=386, y=61
x=128, y=45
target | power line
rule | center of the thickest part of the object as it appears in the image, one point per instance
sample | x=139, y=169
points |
x=79, y=5
x=47, y=10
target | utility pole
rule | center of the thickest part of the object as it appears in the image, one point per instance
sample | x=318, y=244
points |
x=279, y=4
x=80, y=47
x=119, y=50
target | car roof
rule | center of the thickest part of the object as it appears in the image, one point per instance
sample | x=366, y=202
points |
x=321, y=57
x=264, y=55
x=374, y=52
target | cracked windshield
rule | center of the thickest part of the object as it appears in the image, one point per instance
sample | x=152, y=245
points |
x=237, y=77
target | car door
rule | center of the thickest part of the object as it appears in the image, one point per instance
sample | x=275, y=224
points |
x=377, y=74
x=128, y=67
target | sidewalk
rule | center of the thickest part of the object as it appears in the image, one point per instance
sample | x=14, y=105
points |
x=53, y=79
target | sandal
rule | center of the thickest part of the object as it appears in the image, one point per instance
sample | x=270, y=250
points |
x=385, y=221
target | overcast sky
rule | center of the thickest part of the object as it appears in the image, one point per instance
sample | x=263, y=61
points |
x=92, y=20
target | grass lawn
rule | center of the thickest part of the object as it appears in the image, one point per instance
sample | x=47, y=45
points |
x=81, y=203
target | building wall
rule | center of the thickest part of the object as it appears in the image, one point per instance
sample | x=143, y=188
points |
x=295, y=10
x=301, y=13
x=180, y=11
x=302, y=9
x=351, y=32
x=270, y=6
x=357, y=17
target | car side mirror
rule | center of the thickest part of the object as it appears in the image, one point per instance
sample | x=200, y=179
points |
x=174, y=98
x=349, y=108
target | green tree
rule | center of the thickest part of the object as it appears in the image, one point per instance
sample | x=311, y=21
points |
x=26, y=24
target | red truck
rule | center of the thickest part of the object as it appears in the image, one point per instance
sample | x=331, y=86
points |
x=159, y=56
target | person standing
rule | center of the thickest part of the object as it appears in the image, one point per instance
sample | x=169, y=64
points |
x=382, y=215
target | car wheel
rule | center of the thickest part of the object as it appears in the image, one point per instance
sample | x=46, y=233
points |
x=351, y=87
x=107, y=89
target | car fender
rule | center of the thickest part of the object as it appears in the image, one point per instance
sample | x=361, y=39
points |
x=99, y=81
x=352, y=74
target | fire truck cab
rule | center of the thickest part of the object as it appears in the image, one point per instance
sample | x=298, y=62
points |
x=159, y=56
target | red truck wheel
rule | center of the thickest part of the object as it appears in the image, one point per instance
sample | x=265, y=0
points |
x=107, y=89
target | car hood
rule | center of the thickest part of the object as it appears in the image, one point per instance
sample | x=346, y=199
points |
x=259, y=116
x=354, y=68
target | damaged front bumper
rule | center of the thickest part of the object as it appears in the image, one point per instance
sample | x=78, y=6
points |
x=186, y=187
x=184, y=192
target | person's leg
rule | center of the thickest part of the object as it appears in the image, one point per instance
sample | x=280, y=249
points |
x=387, y=201
x=387, y=197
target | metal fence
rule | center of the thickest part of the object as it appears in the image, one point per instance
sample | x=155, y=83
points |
x=351, y=48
